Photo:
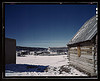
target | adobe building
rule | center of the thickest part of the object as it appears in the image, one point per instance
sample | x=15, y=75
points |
x=82, y=48
x=10, y=51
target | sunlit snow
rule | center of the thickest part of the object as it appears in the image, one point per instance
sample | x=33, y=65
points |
x=57, y=66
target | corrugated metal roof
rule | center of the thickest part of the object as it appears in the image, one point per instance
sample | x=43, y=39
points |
x=86, y=32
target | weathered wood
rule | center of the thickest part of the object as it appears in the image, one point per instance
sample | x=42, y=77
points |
x=73, y=52
x=83, y=47
x=95, y=58
x=86, y=66
x=95, y=63
x=73, y=47
x=82, y=60
x=95, y=66
x=95, y=54
x=91, y=61
x=83, y=68
x=86, y=49
x=84, y=43
x=86, y=53
x=82, y=56
x=79, y=51
x=82, y=53
x=86, y=46
x=77, y=58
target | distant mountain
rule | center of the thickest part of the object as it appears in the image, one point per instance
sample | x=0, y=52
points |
x=30, y=48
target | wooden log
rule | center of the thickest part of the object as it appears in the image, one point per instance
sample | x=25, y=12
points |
x=73, y=49
x=85, y=60
x=96, y=54
x=87, y=47
x=73, y=52
x=87, y=65
x=82, y=56
x=86, y=51
x=80, y=63
x=79, y=51
x=86, y=69
x=82, y=53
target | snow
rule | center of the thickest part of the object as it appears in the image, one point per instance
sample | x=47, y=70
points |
x=43, y=60
x=51, y=66
x=25, y=68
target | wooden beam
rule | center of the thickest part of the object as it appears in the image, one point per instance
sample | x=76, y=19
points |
x=79, y=50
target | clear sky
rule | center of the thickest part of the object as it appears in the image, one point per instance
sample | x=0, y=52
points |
x=45, y=25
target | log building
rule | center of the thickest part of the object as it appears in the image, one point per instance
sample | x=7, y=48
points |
x=82, y=48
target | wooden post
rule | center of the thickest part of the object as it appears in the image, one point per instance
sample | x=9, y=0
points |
x=79, y=51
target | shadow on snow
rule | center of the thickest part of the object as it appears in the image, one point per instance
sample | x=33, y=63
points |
x=24, y=68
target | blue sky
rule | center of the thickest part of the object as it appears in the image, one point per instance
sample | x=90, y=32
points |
x=45, y=25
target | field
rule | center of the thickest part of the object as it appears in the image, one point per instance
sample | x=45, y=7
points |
x=51, y=66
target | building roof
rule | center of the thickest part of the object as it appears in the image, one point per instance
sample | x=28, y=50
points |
x=86, y=32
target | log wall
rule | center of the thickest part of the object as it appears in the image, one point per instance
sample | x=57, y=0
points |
x=85, y=61
x=95, y=55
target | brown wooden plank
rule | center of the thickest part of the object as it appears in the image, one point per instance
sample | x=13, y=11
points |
x=91, y=61
x=84, y=68
x=73, y=49
x=86, y=49
x=82, y=56
x=83, y=63
x=73, y=53
x=79, y=51
x=86, y=46
x=86, y=53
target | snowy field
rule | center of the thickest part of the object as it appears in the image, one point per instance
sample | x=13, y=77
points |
x=56, y=66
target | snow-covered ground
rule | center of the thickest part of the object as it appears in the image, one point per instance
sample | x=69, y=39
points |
x=56, y=61
x=57, y=66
